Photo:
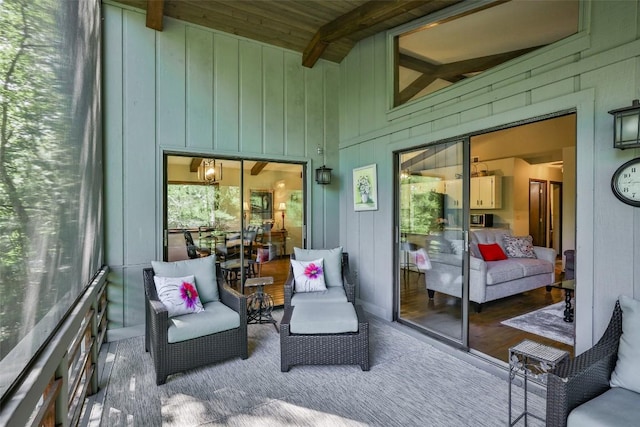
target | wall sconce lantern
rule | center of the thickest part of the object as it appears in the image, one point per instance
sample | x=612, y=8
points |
x=323, y=175
x=626, y=126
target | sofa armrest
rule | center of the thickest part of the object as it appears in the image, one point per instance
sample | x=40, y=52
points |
x=477, y=264
x=547, y=254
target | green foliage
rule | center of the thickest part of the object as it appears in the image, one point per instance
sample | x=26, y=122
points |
x=48, y=175
x=194, y=205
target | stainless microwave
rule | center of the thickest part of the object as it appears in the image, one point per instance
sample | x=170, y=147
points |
x=481, y=220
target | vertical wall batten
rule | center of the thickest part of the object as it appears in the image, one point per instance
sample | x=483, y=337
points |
x=196, y=90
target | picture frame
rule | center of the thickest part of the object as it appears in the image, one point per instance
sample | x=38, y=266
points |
x=261, y=204
x=365, y=188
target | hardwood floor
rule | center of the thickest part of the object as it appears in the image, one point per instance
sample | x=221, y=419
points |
x=443, y=313
x=486, y=334
x=278, y=269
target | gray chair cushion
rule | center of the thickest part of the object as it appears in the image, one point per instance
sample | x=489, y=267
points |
x=333, y=294
x=627, y=371
x=215, y=318
x=617, y=407
x=327, y=318
x=332, y=262
x=204, y=270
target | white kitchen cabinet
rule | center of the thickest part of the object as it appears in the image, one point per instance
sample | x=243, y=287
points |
x=453, y=190
x=485, y=192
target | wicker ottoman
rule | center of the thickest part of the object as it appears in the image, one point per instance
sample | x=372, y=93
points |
x=347, y=348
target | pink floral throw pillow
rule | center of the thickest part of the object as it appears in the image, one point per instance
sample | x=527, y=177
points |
x=309, y=275
x=178, y=294
x=519, y=246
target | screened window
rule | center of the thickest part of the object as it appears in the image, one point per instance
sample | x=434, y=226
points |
x=50, y=169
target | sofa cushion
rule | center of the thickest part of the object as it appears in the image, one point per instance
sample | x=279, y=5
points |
x=627, y=371
x=204, y=270
x=332, y=294
x=215, y=318
x=533, y=266
x=332, y=262
x=490, y=235
x=616, y=407
x=503, y=271
x=331, y=318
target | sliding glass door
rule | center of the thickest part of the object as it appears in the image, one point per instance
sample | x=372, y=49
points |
x=431, y=189
x=249, y=214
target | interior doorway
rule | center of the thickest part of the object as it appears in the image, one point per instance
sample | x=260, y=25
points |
x=555, y=216
x=538, y=211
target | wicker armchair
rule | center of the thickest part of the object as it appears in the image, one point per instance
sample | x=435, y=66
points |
x=584, y=377
x=347, y=282
x=170, y=358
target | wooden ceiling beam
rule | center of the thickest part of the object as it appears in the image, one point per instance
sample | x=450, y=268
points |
x=360, y=18
x=195, y=164
x=155, y=13
x=452, y=72
x=257, y=168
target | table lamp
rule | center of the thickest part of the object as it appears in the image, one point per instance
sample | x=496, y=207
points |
x=282, y=207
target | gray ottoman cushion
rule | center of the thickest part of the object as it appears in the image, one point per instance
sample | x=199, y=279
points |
x=325, y=318
x=617, y=407
x=332, y=294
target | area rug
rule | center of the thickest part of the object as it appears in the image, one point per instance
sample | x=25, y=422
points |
x=547, y=322
x=411, y=383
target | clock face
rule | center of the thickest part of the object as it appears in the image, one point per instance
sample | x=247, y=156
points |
x=625, y=182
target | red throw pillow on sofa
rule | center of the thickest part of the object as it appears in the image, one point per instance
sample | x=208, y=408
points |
x=491, y=252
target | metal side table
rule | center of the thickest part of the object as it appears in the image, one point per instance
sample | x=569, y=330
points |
x=533, y=360
x=260, y=303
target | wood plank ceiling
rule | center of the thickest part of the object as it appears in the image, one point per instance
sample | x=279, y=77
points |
x=325, y=29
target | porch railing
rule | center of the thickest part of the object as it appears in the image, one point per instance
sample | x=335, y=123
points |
x=53, y=390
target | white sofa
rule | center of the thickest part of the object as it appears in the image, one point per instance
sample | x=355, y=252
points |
x=488, y=280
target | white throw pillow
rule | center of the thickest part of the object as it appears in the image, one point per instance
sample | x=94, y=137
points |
x=308, y=275
x=204, y=270
x=178, y=294
x=627, y=371
x=332, y=262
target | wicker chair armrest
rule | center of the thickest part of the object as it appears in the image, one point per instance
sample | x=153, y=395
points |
x=584, y=377
x=158, y=323
x=288, y=289
x=233, y=299
x=577, y=382
x=347, y=279
x=349, y=289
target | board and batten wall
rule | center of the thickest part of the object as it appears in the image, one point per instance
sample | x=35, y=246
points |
x=590, y=73
x=193, y=90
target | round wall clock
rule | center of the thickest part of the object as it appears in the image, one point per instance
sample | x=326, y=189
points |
x=625, y=182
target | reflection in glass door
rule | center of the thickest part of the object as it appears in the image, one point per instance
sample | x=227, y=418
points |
x=431, y=245
x=249, y=214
